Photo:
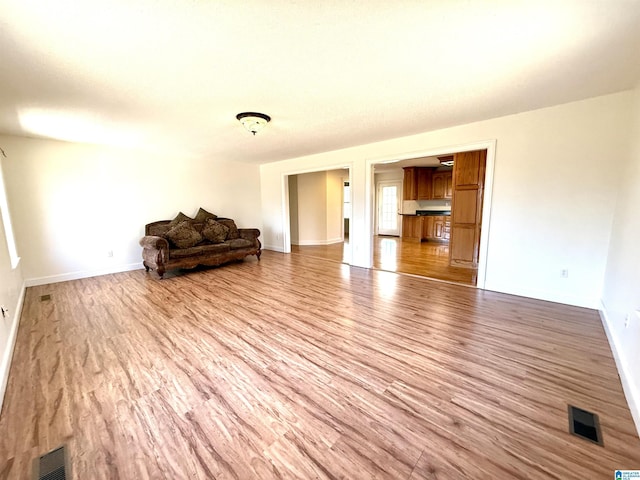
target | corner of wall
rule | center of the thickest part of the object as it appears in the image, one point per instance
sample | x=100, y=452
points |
x=5, y=362
x=631, y=391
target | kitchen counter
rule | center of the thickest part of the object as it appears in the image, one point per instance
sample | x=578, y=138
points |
x=429, y=213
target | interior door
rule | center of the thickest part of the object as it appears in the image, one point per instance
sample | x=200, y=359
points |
x=389, y=208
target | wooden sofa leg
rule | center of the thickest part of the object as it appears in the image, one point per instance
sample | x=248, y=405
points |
x=258, y=254
x=160, y=271
x=146, y=267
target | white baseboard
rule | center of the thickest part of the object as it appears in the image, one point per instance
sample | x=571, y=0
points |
x=5, y=366
x=547, y=296
x=630, y=389
x=275, y=248
x=329, y=241
x=32, y=282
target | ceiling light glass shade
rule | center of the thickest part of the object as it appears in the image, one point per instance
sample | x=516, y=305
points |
x=252, y=121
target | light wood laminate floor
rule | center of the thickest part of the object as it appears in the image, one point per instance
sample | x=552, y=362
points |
x=393, y=254
x=296, y=367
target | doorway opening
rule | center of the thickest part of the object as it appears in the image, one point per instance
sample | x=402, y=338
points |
x=320, y=214
x=388, y=200
x=440, y=216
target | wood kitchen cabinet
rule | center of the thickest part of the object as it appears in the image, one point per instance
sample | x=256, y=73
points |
x=439, y=228
x=407, y=226
x=442, y=185
x=424, y=183
x=427, y=227
x=466, y=208
x=412, y=228
x=410, y=184
x=418, y=183
x=448, y=185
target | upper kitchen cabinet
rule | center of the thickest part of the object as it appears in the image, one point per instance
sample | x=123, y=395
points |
x=418, y=183
x=442, y=185
x=470, y=168
x=424, y=187
x=410, y=187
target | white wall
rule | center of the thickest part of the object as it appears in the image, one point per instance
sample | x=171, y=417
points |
x=621, y=297
x=293, y=209
x=72, y=203
x=11, y=297
x=390, y=176
x=315, y=207
x=554, y=193
x=312, y=208
x=335, y=220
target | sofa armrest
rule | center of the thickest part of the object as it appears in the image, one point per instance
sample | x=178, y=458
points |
x=251, y=234
x=151, y=241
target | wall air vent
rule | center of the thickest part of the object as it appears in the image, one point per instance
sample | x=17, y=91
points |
x=45, y=298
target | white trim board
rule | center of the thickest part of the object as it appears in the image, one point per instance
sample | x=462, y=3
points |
x=329, y=241
x=275, y=248
x=65, y=277
x=631, y=392
x=5, y=366
x=547, y=296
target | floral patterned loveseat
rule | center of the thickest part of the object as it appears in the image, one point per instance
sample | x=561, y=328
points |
x=186, y=242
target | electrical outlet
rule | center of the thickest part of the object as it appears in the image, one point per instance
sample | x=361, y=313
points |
x=627, y=319
x=110, y=253
x=564, y=273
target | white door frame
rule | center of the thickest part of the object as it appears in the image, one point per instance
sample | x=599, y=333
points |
x=379, y=186
x=284, y=179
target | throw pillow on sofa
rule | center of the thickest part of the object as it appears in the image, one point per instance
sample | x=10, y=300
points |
x=184, y=235
x=203, y=215
x=214, y=231
x=231, y=225
x=181, y=217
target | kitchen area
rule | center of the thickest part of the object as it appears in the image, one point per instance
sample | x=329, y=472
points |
x=441, y=214
x=426, y=202
x=428, y=216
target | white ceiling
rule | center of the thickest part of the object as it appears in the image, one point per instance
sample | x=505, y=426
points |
x=173, y=74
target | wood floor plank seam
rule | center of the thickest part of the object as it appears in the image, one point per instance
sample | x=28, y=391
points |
x=297, y=367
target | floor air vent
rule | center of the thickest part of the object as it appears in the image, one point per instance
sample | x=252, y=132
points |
x=51, y=466
x=585, y=424
x=44, y=298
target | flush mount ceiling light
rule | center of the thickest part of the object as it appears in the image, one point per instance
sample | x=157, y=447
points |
x=446, y=161
x=252, y=121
